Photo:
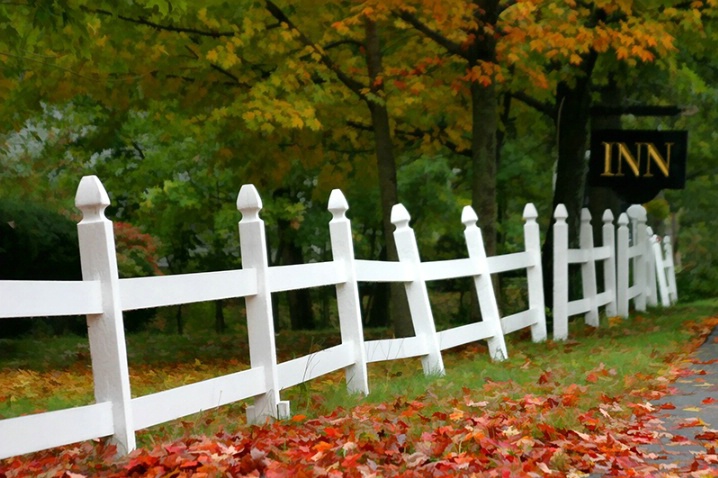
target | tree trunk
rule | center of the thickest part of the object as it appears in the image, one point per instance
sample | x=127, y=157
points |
x=573, y=105
x=301, y=314
x=378, y=303
x=219, y=324
x=180, y=321
x=484, y=119
x=386, y=167
x=598, y=198
x=484, y=122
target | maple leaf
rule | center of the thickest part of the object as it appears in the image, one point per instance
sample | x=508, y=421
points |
x=708, y=435
x=692, y=422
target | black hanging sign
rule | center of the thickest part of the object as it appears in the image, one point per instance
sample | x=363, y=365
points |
x=637, y=164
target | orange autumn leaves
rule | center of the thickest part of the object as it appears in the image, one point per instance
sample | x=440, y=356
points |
x=534, y=36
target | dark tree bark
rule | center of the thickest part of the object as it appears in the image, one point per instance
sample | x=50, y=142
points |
x=179, y=320
x=386, y=165
x=599, y=198
x=573, y=105
x=301, y=313
x=484, y=105
x=219, y=322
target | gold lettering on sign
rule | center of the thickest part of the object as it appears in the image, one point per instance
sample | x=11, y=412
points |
x=653, y=154
x=634, y=162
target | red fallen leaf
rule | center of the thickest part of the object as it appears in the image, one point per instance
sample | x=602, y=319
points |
x=322, y=446
x=333, y=432
x=592, y=377
x=545, y=377
x=569, y=400
x=710, y=435
x=667, y=406
x=175, y=448
x=189, y=464
x=704, y=362
x=299, y=418
x=141, y=463
x=709, y=401
x=641, y=409
x=679, y=439
x=693, y=422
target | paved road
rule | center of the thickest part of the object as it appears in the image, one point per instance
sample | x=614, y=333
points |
x=689, y=432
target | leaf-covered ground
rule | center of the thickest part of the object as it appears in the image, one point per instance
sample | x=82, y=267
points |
x=565, y=409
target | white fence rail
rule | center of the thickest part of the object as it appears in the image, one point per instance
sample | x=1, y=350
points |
x=102, y=296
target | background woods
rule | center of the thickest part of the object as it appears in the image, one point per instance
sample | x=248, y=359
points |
x=489, y=103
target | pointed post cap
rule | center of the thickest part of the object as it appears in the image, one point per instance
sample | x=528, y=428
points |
x=469, y=217
x=400, y=217
x=91, y=198
x=585, y=215
x=560, y=213
x=636, y=211
x=338, y=204
x=607, y=216
x=623, y=219
x=530, y=212
x=649, y=231
x=248, y=202
x=666, y=239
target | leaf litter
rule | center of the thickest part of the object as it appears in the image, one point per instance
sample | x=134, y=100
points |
x=496, y=429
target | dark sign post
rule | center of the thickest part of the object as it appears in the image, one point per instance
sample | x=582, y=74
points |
x=637, y=164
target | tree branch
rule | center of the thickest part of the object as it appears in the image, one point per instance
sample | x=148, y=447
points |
x=157, y=26
x=449, y=45
x=418, y=134
x=337, y=43
x=138, y=148
x=544, y=108
x=45, y=63
x=348, y=81
x=641, y=110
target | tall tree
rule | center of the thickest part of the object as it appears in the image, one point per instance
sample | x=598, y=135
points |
x=371, y=93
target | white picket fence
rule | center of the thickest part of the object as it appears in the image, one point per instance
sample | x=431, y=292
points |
x=635, y=268
x=103, y=297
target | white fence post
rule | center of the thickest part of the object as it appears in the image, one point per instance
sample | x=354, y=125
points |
x=482, y=282
x=670, y=268
x=638, y=221
x=348, y=304
x=106, y=330
x=560, y=273
x=622, y=267
x=588, y=268
x=651, y=267
x=260, y=323
x=534, y=273
x=659, y=271
x=609, y=265
x=416, y=292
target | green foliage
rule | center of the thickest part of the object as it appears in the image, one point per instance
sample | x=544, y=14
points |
x=36, y=244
